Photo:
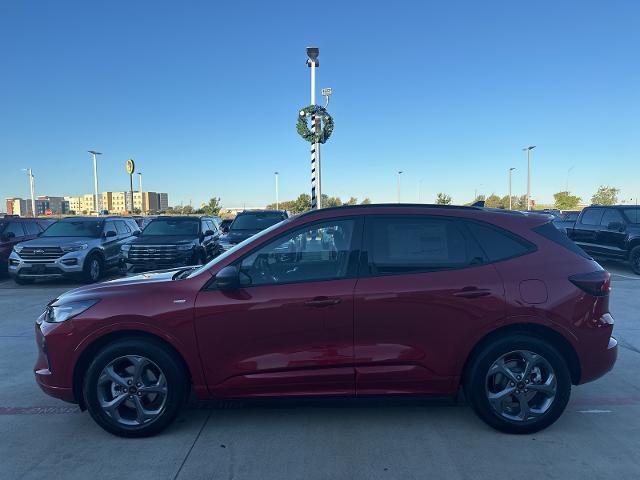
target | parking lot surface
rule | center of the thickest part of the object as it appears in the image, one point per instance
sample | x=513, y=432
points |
x=40, y=437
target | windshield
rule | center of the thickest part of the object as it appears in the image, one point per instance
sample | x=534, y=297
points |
x=172, y=226
x=74, y=228
x=233, y=249
x=256, y=221
x=632, y=214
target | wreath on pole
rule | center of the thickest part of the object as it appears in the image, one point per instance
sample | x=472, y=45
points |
x=325, y=120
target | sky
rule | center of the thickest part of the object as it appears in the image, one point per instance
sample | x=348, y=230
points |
x=204, y=96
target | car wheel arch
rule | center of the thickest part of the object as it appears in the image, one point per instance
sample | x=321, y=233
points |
x=556, y=339
x=89, y=352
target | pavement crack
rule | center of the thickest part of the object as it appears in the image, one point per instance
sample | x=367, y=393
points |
x=192, y=445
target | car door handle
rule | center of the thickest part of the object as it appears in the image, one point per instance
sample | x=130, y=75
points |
x=320, y=302
x=472, y=292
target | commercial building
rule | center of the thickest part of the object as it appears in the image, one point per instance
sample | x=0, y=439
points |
x=45, y=205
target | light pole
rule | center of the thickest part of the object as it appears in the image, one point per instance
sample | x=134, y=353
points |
x=277, y=193
x=316, y=193
x=528, y=150
x=32, y=188
x=568, y=173
x=399, y=173
x=510, y=172
x=95, y=178
x=141, y=196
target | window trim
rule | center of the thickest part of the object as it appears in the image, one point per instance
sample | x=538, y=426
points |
x=358, y=234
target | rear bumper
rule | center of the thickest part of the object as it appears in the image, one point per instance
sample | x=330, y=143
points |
x=596, y=363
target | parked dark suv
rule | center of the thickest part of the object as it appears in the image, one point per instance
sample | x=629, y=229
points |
x=14, y=230
x=173, y=241
x=609, y=232
x=248, y=223
x=353, y=301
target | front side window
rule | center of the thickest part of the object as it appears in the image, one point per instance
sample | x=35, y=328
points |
x=592, y=216
x=74, y=228
x=122, y=227
x=417, y=244
x=632, y=214
x=319, y=252
x=14, y=228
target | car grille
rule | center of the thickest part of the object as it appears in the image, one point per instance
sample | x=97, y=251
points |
x=153, y=253
x=40, y=254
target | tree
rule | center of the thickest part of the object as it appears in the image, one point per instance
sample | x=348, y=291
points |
x=213, y=207
x=443, y=199
x=494, y=201
x=565, y=201
x=520, y=202
x=301, y=204
x=366, y=201
x=351, y=201
x=605, y=195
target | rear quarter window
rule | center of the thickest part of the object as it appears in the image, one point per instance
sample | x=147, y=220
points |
x=497, y=243
x=550, y=232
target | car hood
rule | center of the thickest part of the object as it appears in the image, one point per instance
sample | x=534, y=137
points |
x=56, y=241
x=163, y=239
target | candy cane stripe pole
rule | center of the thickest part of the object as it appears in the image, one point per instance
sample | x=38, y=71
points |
x=314, y=200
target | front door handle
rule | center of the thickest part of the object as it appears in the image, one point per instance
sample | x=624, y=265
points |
x=472, y=292
x=321, y=302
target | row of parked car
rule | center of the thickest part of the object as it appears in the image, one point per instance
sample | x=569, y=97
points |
x=86, y=247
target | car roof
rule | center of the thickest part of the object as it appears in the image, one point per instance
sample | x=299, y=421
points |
x=251, y=212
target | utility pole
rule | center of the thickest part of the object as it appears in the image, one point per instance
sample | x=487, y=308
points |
x=528, y=150
x=32, y=189
x=399, y=173
x=277, y=193
x=141, y=195
x=95, y=180
x=510, y=172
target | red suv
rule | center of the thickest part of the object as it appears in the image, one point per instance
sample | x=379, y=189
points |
x=348, y=301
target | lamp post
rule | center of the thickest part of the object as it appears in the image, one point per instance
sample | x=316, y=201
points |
x=399, y=173
x=277, y=192
x=528, y=150
x=95, y=179
x=316, y=193
x=32, y=188
x=141, y=195
x=510, y=172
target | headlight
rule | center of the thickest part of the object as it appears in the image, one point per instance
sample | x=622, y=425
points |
x=74, y=247
x=60, y=313
x=17, y=248
x=126, y=247
x=185, y=247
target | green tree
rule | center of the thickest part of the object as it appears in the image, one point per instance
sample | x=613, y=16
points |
x=366, y=201
x=213, y=207
x=565, y=201
x=605, y=195
x=301, y=204
x=351, y=201
x=328, y=201
x=494, y=201
x=520, y=203
x=443, y=199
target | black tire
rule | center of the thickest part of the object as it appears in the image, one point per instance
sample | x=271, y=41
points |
x=88, y=273
x=634, y=259
x=476, y=381
x=22, y=280
x=169, y=365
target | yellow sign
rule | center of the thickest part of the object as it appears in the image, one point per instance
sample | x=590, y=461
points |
x=131, y=166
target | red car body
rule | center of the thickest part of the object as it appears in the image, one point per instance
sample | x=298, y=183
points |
x=391, y=334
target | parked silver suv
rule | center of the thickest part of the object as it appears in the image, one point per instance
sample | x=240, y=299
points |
x=73, y=247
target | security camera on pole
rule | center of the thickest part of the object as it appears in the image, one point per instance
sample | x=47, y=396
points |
x=318, y=133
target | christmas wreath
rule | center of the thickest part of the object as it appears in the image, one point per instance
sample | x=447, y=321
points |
x=325, y=120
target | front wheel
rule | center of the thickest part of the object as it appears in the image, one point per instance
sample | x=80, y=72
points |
x=93, y=268
x=518, y=384
x=134, y=388
x=634, y=259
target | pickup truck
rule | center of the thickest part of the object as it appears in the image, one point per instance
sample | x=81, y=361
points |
x=611, y=232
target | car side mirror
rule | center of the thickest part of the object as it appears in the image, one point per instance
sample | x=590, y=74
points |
x=225, y=229
x=208, y=233
x=616, y=226
x=228, y=278
x=110, y=234
x=136, y=233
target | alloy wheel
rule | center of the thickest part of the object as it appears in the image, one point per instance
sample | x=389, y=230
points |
x=132, y=390
x=521, y=386
x=94, y=269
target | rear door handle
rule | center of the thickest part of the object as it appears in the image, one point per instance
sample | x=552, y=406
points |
x=472, y=292
x=321, y=302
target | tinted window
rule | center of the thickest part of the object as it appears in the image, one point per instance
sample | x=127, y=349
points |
x=256, y=221
x=211, y=225
x=74, y=228
x=171, y=226
x=31, y=228
x=122, y=227
x=611, y=215
x=415, y=244
x=632, y=214
x=591, y=216
x=110, y=226
x=313, y=253
x=569, y=216
x=550, y=232
x=498, y=244
x=15, y=228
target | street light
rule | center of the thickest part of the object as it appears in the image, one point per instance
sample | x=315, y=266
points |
x=316, y=187
x=277, y=193
x=95, y=178
x=141, y=196
x=528, y=150
x=510, y=172
x=399, y=173
x=29, y=172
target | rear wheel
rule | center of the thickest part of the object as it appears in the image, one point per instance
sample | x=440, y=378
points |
x=634, y=259
x=134, y=388
x=518, y=384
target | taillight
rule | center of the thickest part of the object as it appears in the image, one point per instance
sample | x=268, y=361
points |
x=597, y=283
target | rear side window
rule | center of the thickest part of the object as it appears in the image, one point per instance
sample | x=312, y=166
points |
x=592, y=216
x=550, y=232
x=122, y=227
x=416, y=244
x=498, y=244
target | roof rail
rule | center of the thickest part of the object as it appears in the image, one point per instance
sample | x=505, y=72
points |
x=397, y=205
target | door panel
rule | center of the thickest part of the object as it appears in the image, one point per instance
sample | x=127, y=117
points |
x=612, y=241
x=586, y=230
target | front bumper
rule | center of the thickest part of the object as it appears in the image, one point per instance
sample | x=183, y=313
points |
x=51, y=372
x=69, y=264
